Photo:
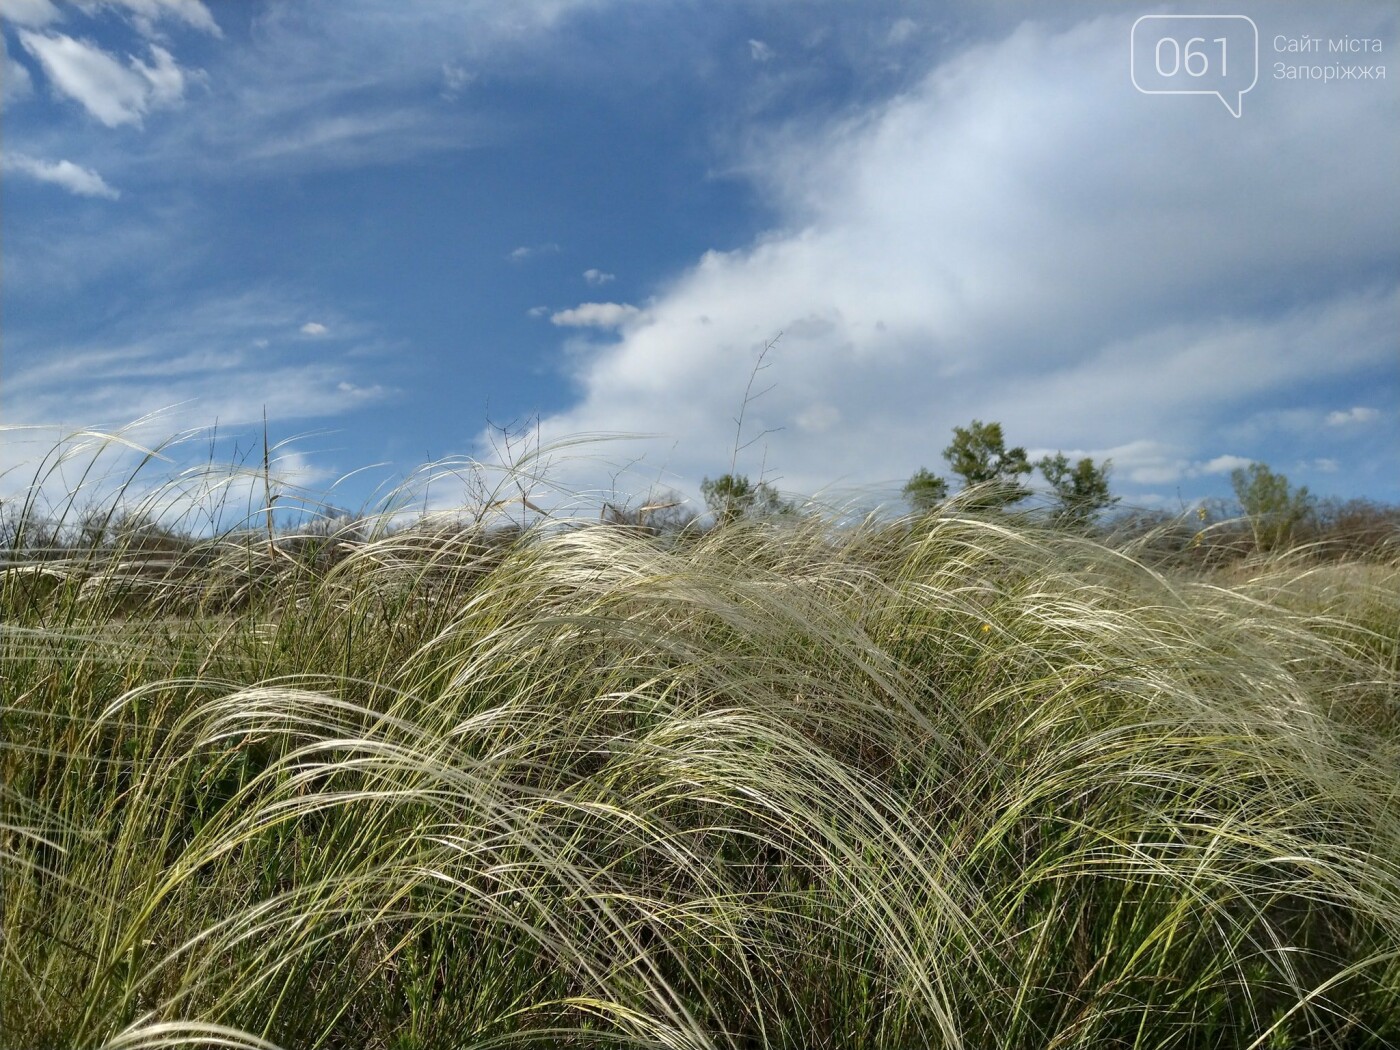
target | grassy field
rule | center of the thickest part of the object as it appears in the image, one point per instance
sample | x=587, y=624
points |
x=943, y=782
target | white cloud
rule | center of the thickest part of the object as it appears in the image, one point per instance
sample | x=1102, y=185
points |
x=313, y=328
x=350, y=139
x=1225, y=464
x=1359, y=414
x=340, y=83
x=1020, y=237
x=902, y=30
x=537, y=311
x=15, y=81
x=373, y=392
x=597, y=277
x=818, y=419
x=75, y=179
x=759, y=51
x=166, y=79
x=112, y=93
x=146, y=14
x=526, y=251
x=31, y=13
x=1147, y=462
x=454, y=79
x=207, y=361
x=322, y=84
x=596, y=315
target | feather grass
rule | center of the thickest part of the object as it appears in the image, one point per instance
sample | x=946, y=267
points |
x=952, y=781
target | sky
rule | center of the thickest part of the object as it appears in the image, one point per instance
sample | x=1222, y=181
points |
x=637, y=243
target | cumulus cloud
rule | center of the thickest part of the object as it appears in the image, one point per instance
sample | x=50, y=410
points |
x=313, y=328
x=596, y=315
x=113, y=93
x=597, y=277
x=1359, y=414
x=64, y=173
x=1020, y=236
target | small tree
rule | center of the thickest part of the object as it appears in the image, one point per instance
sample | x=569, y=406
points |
x=733, y=496
x=1272, y=506
x=925, y=490
x=1080, y=492
x=980, y=457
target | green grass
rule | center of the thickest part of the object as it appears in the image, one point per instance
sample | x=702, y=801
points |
x=948, y=782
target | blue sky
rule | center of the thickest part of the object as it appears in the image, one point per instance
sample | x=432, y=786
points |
x=390, y=225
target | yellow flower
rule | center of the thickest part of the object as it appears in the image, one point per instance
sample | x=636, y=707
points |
x=986, y=627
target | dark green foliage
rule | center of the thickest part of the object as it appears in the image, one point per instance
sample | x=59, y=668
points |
x=989, y=470
x=733, y=496
x=925, y=490
x=980, y=457
x=1080, y=492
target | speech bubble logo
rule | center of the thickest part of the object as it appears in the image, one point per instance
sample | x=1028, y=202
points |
x=1196, y=55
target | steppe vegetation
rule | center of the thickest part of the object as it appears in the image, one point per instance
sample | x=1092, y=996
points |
x=965, y=778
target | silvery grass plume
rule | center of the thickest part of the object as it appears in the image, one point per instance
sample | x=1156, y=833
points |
x=951, y=781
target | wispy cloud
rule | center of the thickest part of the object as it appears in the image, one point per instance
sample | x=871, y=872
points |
x=64, y=173
x=323, y=84
x=344, y=83
x=219, y=358
x=455, y=79
x=377, y=136
x=528, y=251
x=15, y=81
x=901, y=30
x=112, y=93
x=597, y=277
x=31, y=13
x=760, y=51
x=147, y=14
